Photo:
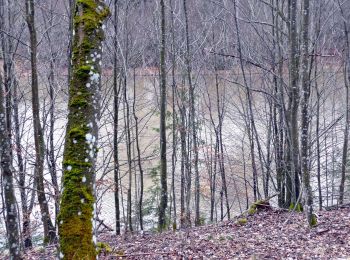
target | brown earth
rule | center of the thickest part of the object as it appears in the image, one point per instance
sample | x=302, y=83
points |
x=271, y=234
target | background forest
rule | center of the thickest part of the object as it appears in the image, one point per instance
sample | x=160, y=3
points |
x=205, y=106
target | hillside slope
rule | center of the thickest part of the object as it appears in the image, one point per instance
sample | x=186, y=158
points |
x=271, y=234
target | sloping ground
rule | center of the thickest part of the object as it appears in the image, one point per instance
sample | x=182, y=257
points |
x=271, y=234
x=266, y=235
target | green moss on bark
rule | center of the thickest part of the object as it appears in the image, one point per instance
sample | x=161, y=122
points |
x=75, y=220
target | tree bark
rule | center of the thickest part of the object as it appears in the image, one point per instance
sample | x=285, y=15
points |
x=116, y=89
x=163, y=160
x=294, y=103
x=49, y=229
x=77, y=202
x=11, y=221
x=347, y=110
x=305, y=117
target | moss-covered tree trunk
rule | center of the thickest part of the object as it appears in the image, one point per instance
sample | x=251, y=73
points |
x=75, y=220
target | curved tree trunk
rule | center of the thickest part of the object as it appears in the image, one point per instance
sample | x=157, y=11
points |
x=49, y=229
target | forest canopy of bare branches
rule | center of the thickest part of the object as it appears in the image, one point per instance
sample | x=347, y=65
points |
x=130, y=116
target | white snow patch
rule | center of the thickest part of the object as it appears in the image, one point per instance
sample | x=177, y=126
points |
x=89, y=137
x=95, y=77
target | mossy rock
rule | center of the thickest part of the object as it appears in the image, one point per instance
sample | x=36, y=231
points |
x=252, y=210
x=103, y=248
x=242, y=221
x=258, y=206
x=313, y=221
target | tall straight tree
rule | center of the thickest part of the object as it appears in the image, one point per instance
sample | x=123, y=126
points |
x=294, y=100
x=192, y=122
x=347, y=109
x=163, y=161
x=77, y=201
x=116, y=89
x=7, y=177
x=6, y=155
x=49, y=229
x=305, y=115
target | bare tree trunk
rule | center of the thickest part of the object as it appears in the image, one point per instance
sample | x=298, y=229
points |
x=26, y=211
x=49, y=229
x=347, y=112
x=163, y=161
x=6, y=156
x=116, y=89
x=12, y=221
x=139, y=161
x=318, y=106
x=52, y=85
x=175, y=123
x=128, y=151
x=184, y=159
x=294, y=102
x=192, y=118
x=305, y=116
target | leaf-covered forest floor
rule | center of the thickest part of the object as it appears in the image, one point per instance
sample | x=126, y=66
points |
x=270, y=234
